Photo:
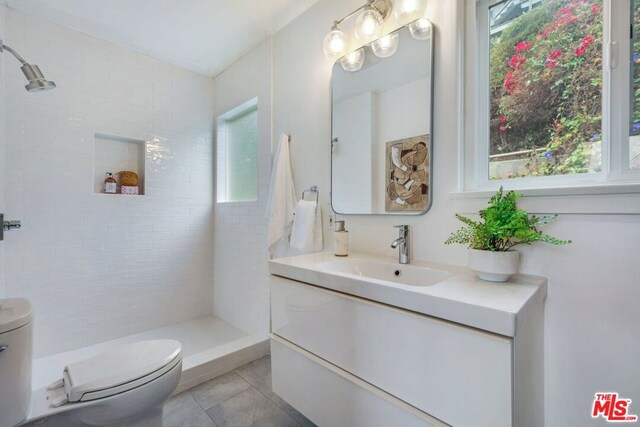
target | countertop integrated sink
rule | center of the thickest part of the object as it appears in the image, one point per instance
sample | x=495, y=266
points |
x=446, y=292
x=411, y=275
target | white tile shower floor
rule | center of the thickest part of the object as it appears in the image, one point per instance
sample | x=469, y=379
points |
x=197, y=337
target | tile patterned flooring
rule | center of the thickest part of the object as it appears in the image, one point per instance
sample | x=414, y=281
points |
x=237, y=399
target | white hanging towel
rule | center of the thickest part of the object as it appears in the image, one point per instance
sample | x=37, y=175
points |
x=282, y=194
x=318, y=240
x=306, y=234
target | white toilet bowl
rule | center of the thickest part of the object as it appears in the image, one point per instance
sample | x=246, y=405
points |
x=126, y=386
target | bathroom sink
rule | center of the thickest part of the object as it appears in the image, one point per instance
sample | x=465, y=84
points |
x=391, y=272
x=446, y=292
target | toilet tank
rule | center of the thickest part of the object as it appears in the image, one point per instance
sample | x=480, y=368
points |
x=15, y=360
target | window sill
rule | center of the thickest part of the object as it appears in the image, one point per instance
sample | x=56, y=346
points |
x=609, y=199
x=238, y=204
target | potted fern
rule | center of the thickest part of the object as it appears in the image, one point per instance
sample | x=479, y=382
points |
x=502, y=227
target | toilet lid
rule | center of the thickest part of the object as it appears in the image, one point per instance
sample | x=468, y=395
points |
x=120, y=369
x=14, y=314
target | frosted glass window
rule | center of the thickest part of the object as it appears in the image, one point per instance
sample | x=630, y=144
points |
x=237, y=177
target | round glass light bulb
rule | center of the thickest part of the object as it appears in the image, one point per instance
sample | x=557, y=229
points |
x=386, y=46
x=353, y=61
x=408, y=10
x=334, y=45
x=369, y=26
x=421, y=29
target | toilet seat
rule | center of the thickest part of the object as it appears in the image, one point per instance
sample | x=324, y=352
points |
x=117, y=371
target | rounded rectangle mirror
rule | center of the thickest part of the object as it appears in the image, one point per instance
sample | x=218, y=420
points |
x=381, y=149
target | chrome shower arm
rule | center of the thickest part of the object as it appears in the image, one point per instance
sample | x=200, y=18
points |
x=4, y=47
x=37, y=81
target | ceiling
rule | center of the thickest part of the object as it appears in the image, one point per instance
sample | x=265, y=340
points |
x=205, y=36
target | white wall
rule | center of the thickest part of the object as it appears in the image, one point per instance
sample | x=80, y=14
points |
x=98, y=266
x=2, y=142
x=241, y=291
x=402, y=113
x=591, y=331
x=354, y=156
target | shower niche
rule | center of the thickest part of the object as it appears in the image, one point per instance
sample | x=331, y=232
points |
x=117, y=154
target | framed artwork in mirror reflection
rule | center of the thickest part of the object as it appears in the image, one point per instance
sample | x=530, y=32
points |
x=407, y=174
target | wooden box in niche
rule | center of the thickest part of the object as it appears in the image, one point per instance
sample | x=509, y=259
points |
x=122, y=156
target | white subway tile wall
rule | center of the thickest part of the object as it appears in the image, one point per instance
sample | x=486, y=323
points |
x=114, y=154
x=95, y=266
x=2, y=145
x=241, y=294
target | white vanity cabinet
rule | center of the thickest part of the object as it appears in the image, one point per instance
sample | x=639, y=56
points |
x=345, y=360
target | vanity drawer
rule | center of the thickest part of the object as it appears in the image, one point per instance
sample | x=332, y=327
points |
x=457, y=374
x=329, y=396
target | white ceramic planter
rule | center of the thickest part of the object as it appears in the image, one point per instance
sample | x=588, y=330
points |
x=494, y=266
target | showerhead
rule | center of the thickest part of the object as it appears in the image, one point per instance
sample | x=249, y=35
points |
x=37, y=81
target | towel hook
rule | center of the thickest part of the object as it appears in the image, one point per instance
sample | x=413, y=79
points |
x=313, y=190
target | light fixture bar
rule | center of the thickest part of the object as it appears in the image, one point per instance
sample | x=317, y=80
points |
x=344, y=18
x=376, y=4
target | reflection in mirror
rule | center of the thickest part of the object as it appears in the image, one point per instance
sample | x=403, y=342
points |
x=381, y=128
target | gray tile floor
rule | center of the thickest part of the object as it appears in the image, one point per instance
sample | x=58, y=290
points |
x=237, y=399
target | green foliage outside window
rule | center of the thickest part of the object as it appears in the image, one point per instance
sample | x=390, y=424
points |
x=546, y=88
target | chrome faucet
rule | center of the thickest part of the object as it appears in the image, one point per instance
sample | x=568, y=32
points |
x=402, y=243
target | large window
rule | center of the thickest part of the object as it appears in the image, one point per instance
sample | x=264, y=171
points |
x=634, y=141
x=237, y=153
x=557, y=101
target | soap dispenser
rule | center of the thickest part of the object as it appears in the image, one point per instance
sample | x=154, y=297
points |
x=342, y=239
x=110, y=185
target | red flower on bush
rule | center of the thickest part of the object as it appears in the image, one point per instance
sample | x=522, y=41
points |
x=566, y=10
x=586, y=41
x=595, y=10
x=516, y=62
x=544, y=34
x=522, y=46
x=503, y=119
x=510, y=83
x=551, y=61
x=555, y=54
x=503, y=128
x=565, y=16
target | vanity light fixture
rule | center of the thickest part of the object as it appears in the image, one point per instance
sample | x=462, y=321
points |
x=335, y=43
x=369, y=25
x=369, y=31
x=353, y=61
x=386, y=46
x=421, y=29
x=407, y=11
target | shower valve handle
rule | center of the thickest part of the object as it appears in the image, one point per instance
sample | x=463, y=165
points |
x=11, y=225
x=8, y=226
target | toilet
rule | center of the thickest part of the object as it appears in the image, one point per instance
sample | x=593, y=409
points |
x=125, y=386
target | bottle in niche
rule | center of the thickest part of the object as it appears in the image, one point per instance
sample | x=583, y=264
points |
x=342, y=239
x=110, y=185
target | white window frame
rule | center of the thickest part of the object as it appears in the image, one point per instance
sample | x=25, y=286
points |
x=223, y=139
x=616, y=176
